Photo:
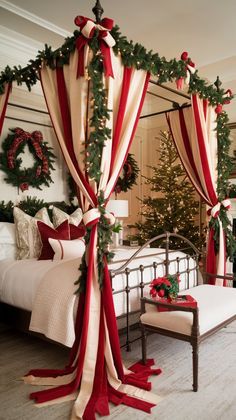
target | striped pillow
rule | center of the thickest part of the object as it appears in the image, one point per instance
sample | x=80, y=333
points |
x=65, y=249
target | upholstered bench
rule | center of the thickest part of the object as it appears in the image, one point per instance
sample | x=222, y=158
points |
x=216, y=307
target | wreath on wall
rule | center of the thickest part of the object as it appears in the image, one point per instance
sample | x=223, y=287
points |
x=10, y=162
x=125, y=182
x=128, y=176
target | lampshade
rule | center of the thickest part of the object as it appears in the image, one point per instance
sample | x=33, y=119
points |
x=119, y=208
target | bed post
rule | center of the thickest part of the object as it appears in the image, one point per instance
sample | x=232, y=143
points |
x=143, y=334
x=98, y=11
x=195, y=348
x=167, y=261
x=127, y=291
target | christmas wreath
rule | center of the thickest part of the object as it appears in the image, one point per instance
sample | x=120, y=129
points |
x=37, y=175
x=128, y=176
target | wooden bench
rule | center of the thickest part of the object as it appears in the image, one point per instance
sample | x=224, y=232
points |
x=216, y=308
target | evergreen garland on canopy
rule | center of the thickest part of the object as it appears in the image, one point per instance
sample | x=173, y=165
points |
x=132, y=54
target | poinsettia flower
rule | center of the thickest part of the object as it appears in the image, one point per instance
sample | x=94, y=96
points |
x=161, y=293
x=153, y=292
x=161, y=281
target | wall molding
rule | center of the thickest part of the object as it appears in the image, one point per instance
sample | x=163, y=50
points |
x=34, y=18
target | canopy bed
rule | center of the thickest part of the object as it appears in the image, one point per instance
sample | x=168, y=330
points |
x=94, y=87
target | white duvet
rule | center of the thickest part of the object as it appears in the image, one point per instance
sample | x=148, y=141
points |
x=46, y=288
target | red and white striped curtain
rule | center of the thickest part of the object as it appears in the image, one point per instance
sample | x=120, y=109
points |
x=3, y=103
x=95, y=373
x=195, y=136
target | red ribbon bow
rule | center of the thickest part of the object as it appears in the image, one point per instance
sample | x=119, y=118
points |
x=106, y=41
x=190, y=69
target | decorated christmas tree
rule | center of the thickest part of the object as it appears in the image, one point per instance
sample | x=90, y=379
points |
x=173, y=206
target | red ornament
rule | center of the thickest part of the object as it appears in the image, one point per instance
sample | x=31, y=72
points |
x=180, y=83
x=218, y=109
x=24, y=186
x=184, y=56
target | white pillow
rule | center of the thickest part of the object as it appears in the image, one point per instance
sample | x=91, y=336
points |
x=65, y=249
x=7, y=251
x=7, y=233
x=28, y=239
x=59, y=216
x=7, y=240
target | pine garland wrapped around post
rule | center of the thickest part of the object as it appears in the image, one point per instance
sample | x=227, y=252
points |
x=174, y=208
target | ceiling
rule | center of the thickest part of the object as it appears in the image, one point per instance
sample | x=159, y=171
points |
x=206, y=29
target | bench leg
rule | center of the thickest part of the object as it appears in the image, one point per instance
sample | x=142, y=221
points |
x=195, y=347
x=144, y=344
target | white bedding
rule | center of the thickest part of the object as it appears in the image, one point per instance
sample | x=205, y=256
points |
x=48, y=287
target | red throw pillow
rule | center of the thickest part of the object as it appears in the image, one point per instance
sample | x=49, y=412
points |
x=77, y=231
x=61, y=232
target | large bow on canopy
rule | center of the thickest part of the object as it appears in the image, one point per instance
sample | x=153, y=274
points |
x=106, y=41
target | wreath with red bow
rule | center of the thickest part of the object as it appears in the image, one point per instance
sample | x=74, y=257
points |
x=10, y=162
x=128, y=176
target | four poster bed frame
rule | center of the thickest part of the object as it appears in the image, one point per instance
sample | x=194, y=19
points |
x=160, y=261
x=110, y=77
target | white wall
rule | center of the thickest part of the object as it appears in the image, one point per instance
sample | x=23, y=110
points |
x=14, y=117
x=17, y=49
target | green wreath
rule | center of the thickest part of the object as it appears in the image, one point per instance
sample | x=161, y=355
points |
x=128, y=176
x=36, y=176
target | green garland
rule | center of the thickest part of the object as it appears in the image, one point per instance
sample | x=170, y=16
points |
x=31, y=205
x=132, y=55
x=10, y=162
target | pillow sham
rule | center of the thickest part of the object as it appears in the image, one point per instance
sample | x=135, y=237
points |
x=7, y=251
x=7, y=233
x=77, y=231
x=59, y=216
x=7, y=240
x=28, y=240
x=46, y=232
x=64, y=249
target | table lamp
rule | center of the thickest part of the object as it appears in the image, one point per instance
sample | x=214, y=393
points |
x=120, y=209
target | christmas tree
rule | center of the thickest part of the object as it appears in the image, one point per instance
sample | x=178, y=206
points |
x=174, y=207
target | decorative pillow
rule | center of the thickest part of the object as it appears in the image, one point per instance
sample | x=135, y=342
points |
x=77, y=231
x=28, y=240
x=7, y=240
x=67, y=249
x=7, y=233
x=59, y=216
x=7, y=251
x=46, y=232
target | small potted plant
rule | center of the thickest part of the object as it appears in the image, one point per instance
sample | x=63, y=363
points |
x=165, y=287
